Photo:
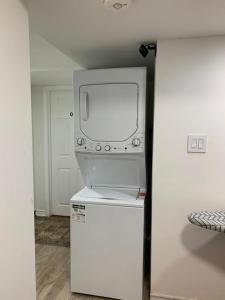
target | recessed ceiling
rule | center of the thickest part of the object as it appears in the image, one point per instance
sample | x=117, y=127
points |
x=96, y=37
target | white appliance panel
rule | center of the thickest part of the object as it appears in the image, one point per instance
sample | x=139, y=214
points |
x=109, y=112
x=113, y=170
x=107, y=250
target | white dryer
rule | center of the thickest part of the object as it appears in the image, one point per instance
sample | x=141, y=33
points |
x=107, y=216
x=110, y=116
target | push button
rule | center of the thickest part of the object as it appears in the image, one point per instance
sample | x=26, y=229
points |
x=98, y=148
x=136, y=142
x=80, y=141
x=107, y=148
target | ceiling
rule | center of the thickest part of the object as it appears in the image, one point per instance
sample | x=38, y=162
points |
x=96, y=37
x=49, y=66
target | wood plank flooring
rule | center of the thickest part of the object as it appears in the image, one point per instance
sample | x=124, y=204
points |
x=53, y=274
x=53, y=230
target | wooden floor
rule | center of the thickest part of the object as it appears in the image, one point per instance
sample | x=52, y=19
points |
x=53, y=230
x=53, y=274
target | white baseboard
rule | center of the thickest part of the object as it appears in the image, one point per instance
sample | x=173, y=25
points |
x=168, y=297
x=41, y=213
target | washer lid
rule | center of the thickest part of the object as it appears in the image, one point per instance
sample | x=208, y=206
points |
x=112, y=170
x=110, y=193
x=109, y=196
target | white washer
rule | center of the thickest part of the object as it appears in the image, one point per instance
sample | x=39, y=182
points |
x=107, y=217
x=107, y=243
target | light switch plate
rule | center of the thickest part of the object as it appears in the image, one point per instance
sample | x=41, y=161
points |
x=196, y=143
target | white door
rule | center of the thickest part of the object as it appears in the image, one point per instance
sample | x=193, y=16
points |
x=65, y=174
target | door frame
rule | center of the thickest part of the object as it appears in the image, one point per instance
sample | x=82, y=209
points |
x=48, y=145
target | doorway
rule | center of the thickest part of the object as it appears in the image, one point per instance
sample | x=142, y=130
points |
x=55, y=167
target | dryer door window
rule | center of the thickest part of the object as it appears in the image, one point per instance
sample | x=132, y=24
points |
x=109, y=112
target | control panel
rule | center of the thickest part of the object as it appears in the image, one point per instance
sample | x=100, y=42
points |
x=133, y=145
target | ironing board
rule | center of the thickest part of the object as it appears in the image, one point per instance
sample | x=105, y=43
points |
x=212, y=220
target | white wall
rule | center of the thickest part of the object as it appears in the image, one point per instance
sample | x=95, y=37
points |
x=17, y=264
x=189, y=98
x=49, y=66
x=41, y=196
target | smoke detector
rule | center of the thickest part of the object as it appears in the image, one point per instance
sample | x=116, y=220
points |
x=117, y=5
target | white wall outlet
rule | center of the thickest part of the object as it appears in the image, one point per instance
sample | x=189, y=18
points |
x=196, y=143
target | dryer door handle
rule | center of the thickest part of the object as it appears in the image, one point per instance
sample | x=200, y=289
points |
x=84, y=106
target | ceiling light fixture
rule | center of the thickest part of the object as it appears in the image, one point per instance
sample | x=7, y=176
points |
x=117, y=5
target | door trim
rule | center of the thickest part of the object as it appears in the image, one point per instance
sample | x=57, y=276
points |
x=47, y=142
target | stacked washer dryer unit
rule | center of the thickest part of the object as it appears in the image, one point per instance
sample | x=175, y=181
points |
x=107, y=216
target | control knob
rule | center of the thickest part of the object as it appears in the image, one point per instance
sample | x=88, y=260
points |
x=136, y=142
x=98, y=148
x=107, y=148
x=80, y=141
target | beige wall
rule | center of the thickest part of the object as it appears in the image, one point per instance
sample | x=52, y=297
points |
x=17, y=265
x=189, y=98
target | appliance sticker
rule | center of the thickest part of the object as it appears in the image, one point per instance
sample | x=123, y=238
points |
x=78, y=213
